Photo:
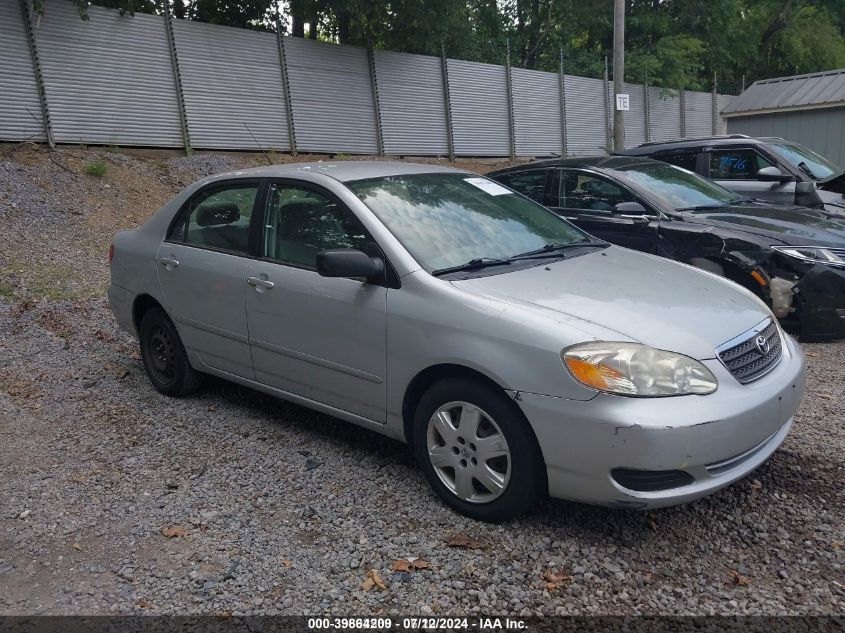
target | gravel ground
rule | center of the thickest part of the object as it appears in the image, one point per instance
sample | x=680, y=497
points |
x=116, y=499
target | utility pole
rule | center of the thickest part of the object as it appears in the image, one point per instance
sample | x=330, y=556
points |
x=618, y=72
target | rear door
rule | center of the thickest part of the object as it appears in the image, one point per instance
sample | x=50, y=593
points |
x=317, y=337
x=588, y=199
x=202, y=272
x=736, y=168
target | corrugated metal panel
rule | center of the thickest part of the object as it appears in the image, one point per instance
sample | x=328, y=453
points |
x=412, y=103
x=20, y=107
x=585, y=123
x=819, y=129
x=231, y=78
x=479, y=108
x=722, y=103
x=698, y=110
x=332, y=97
x=536, y=109
x=635, y=117
x=664, y=114
x=108, y=80
x=790, y=92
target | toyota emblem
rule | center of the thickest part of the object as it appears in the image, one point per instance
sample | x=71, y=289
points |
x=762, y=344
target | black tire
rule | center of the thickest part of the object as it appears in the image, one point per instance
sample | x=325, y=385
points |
x=527, y=477
x=164, y=356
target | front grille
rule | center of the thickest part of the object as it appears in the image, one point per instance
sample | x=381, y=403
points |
x=745, y=359
x=651, y=480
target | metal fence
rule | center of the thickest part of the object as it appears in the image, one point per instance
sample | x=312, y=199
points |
x=156, y=81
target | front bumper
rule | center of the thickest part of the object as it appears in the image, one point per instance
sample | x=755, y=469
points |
x=821, y=297
x=716, y=439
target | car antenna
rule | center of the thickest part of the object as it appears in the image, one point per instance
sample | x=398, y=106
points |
x=266, y=155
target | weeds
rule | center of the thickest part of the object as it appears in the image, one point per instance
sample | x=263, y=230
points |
x=96, y=168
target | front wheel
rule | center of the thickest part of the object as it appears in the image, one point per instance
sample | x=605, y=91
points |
x=164, y=356
x=478, y=451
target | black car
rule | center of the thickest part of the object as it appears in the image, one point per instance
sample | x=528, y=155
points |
x=768, y=168
x=793, y=258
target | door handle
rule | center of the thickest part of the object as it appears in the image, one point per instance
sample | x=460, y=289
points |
x=257, y=282
x=170, y=262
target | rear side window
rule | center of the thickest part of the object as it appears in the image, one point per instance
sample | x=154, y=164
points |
x=685, y=160
x=736, y=164
x=529, y=183
x=218, y=218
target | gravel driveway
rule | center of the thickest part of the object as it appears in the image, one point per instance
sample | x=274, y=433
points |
x=118, y=499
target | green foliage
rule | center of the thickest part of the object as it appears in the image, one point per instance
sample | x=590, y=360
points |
x=96, y=168
x=669, y=43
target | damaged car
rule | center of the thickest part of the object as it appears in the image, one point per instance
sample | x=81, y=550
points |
x=768, y=168
x=791, y=257
x=518, y=356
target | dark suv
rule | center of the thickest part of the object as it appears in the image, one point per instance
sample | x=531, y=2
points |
x=766, y=168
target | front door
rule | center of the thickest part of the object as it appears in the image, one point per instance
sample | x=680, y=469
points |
x=588, y=200
x=317, y=337
x=201, y=269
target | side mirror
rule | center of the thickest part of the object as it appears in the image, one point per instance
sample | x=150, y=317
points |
x=773, y=174
x=348, y=262
x=629, y=208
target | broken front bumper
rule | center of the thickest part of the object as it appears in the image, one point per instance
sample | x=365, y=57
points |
x=710, y=440
x=821, y=298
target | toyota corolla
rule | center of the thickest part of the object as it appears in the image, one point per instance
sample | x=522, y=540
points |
x=518, y=355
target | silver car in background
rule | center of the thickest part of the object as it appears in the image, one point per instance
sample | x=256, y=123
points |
x=518, y=355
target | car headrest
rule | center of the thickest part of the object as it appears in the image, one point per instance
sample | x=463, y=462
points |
x=299, y=216
x=217, y=213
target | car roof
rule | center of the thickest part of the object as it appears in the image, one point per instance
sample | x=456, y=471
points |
x=343, y=171
x=732, y=139
x=597, y=162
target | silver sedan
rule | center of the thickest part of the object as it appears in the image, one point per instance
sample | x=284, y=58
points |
x=518, y=355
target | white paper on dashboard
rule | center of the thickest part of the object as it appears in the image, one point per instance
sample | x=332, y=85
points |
x=494, y=189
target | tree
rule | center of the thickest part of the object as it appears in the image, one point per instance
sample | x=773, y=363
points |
x=670, y=43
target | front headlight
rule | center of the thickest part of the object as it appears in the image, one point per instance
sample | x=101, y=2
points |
x=814, y=254
x=632, y=369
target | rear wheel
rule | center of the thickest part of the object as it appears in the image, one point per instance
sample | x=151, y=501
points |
x=164, y=356
x=477, y=450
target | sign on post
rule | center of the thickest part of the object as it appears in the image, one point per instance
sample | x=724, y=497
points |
x=623, y=101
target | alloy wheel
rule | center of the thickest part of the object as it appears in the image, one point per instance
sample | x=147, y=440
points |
x=469, y=452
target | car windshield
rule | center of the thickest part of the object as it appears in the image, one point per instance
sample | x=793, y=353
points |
x=447, y=219
x=677, y=188
x=812, y=164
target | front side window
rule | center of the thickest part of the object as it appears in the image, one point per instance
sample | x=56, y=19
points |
x=218, y=218
x=528, y=183
x=583, y=191
x=300, y=222
x=447, y=219
x=738, y=164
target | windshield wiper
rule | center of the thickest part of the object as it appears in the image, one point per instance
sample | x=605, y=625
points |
x=708, y=207
x=803, y=167
x=550, y=249
x=476, y=263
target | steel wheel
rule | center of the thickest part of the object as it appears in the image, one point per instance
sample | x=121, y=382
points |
x=469, y=452
x=162, y=355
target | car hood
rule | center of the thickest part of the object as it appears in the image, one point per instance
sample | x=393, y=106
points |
x=778, y=224
x=644, y=298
